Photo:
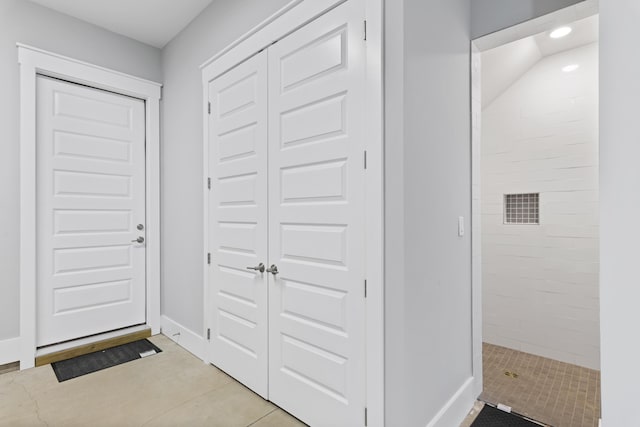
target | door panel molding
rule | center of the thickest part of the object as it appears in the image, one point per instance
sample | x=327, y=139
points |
x=316, y=205
x=291, y=17
x=90, y=279
x=34, y=61
x=238, y=223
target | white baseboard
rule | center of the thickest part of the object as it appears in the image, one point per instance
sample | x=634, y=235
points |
x=478, y=377
x=9, y=351
x=184, y=337
x=457, y=408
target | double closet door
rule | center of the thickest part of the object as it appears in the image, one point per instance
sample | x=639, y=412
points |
x=286, y=211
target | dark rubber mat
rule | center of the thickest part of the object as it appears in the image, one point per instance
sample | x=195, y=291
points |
x=92, y=362
x=493, y=417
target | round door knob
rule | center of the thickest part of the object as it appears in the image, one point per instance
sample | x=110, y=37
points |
x=273, y=269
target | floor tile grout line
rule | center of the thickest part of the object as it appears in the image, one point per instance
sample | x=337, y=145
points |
x=264, y=416
x=85, y=397
x=156, y=416
x=228, y=381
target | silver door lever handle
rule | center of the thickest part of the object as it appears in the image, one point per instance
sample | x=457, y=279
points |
x=138, y=240
x=259, y=267
x=273, y=269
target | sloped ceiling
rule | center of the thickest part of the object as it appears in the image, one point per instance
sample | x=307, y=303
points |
x=504, y=65
x=154, y=22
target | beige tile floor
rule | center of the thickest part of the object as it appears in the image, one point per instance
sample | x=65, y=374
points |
x=172, y=388
x=473, y=414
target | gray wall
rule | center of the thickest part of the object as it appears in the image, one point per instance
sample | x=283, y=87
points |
x=23, y=21
x=620, y=207
x=182, y=240
x=493, y=15
x=428, y=353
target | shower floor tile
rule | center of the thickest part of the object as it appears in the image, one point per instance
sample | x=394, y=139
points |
x=546, y=390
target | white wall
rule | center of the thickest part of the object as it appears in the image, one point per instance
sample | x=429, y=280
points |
x=493, y=15
x=23, y=21
x=428, y=354
x=476, y=215
x=540, y=282
x=620, y=207
x=181, y=172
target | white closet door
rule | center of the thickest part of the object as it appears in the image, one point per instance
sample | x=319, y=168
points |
x=238, y=222
x=90, y=198
x=316, y=211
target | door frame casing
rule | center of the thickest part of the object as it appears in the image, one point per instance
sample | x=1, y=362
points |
x=34, y=61
x=292, y=16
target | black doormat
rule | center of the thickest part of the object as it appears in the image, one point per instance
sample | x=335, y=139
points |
x=92, y=362
x=493, y=417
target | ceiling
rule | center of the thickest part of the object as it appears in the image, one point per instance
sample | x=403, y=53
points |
x=154, y=22
x=502, y=66
x=583, y=32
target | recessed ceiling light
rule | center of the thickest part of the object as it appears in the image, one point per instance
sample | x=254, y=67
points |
x=560, y=32
x=570, y=68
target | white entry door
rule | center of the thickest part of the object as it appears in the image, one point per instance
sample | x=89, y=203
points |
x=238, y=222
x=90, y=208
x=316, y=211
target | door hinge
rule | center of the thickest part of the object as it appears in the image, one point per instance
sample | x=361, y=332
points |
x=365, y=30
x=209, y=108
x=209, y=258
x=365, y=417
x=365, y=159
x=208, y=334
x=365, y=288
x=209, y=183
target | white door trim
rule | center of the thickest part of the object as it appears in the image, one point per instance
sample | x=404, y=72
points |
x=292, y=16
x=36, y=61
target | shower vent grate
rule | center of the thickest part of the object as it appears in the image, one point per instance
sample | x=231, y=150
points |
x=522, y=208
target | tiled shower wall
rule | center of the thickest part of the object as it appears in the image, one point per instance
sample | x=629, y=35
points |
x=540, y=282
